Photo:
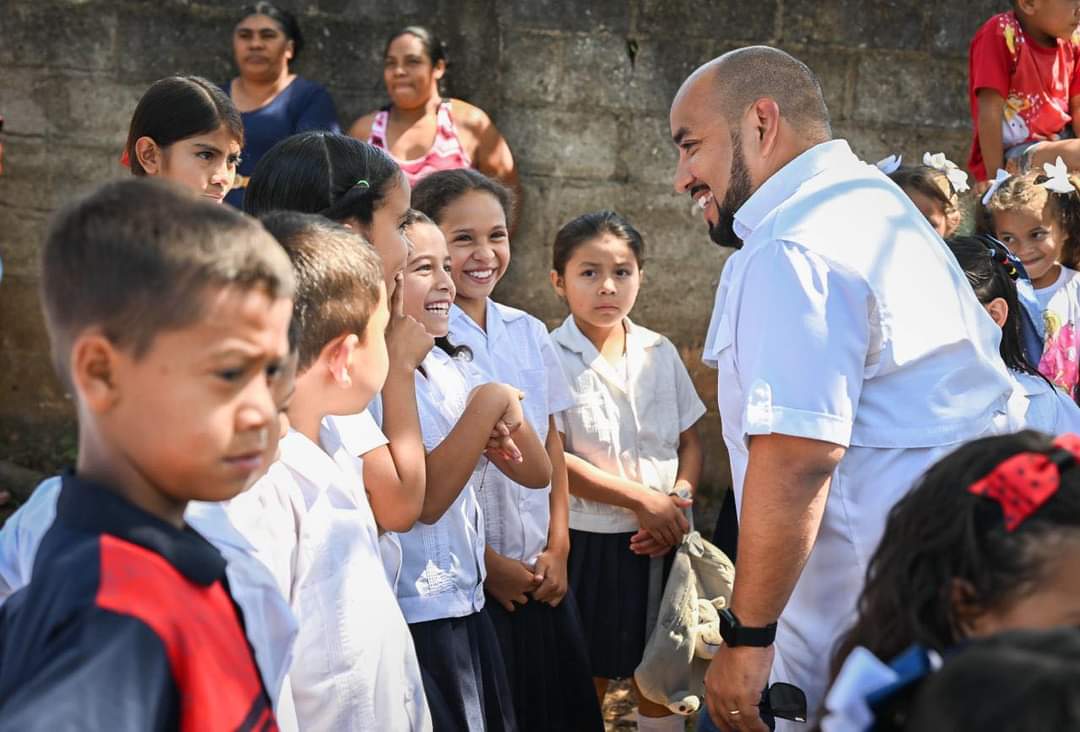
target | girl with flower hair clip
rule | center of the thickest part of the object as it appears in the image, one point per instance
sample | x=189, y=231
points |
x=1037, y=216
x=987, y=541
x=934, y=187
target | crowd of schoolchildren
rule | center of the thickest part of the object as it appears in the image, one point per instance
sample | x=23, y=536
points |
x=326, y=482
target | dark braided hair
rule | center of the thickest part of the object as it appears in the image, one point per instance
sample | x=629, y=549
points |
x=940, y=537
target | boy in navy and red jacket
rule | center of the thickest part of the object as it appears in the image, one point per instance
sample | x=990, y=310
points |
x=168, y=321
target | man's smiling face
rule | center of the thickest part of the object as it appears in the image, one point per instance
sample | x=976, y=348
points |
x=711, y=168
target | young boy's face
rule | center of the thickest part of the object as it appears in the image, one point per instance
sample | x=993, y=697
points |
x=1056, y=18
x=195, y=417
x=371, y=363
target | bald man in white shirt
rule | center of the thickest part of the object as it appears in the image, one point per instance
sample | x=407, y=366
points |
x=851, y=353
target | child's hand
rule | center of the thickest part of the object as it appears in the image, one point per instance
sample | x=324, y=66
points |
x=645, y=544
x=514, y=415
x=508, y=580
x=662, y=516
x=501, y=444
x=551, y=571
x=407, y=342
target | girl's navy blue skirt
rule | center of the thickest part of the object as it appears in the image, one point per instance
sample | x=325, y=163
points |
x=547, y=665
x=611, y=585
x=464, y=676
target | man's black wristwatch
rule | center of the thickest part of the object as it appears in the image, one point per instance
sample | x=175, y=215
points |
x=735, y=633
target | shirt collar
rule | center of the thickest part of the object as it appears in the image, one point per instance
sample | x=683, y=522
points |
x=88, y=506
x=307, y=458
x=570, y=336
x=497, y=316
x=787, y=180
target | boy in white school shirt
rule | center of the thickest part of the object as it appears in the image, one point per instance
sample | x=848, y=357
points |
x=309, y=519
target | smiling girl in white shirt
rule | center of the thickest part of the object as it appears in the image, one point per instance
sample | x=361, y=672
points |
x=472, y=431
x=632, y=452
x=527, y=537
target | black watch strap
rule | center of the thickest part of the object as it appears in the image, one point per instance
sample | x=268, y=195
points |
x=736, y=634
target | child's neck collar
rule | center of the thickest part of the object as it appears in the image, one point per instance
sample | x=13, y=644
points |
x=475, y=309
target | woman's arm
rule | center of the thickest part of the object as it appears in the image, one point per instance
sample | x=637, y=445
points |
x=361, y=128
x=491, y=154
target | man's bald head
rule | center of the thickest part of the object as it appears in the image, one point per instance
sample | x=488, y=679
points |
x=741, y=77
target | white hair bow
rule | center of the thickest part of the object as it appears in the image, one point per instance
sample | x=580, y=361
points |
x=958, y=179
x=889, y=165
x=999, y=179
x=1058, y=177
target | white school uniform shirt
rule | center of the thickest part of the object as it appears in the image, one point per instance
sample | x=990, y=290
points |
x=442, y=564
x=1036, y=405
x=358, y=433
x=268, y=622
x=516, y=350
x=311, y=524
x=624, y=421
x=844, y=318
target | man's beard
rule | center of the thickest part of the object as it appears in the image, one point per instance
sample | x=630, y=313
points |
x=723, y=231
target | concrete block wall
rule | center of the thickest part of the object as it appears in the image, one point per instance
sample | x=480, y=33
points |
x=580, y=89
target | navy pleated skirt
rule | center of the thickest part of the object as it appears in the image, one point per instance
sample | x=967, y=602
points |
x=464, y=677
x=611, y=585
x=547, y=664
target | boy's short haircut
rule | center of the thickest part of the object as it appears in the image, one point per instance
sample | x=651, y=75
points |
x=135, y=258
x=338, y=279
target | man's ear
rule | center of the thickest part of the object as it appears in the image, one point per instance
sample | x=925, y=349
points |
x=149, y=155
x=557, y=283
x=765, y=119
x=340, y=355
x=94, y=362
x=290, y=50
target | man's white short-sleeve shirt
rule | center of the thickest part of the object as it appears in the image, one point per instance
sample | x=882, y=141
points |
x=844, y=318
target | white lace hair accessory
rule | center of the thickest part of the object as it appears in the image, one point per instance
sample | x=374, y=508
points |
x=889, y=165
x=958, y=179
x=1057, y=177
x=999, y=180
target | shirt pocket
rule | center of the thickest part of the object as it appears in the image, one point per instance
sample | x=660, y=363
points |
x=590, y=414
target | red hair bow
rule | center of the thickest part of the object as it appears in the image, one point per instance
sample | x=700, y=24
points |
x=1025, y=481
x=125, y=159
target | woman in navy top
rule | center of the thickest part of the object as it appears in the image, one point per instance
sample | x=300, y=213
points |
x=273, y=102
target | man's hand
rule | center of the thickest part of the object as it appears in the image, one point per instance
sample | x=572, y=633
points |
x=508, y=580
x=733, y=685
x=662, y=516
x=551, y=571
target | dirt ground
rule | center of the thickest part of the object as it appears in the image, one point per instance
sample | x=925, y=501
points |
x=619, y=710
